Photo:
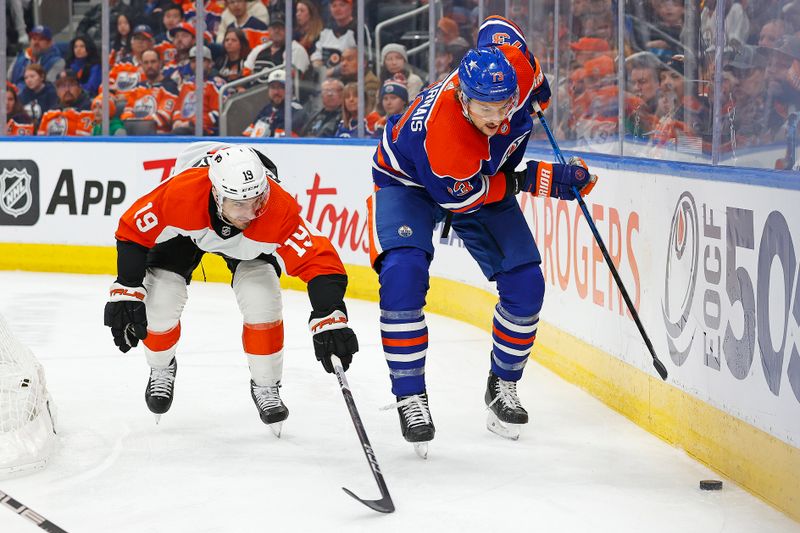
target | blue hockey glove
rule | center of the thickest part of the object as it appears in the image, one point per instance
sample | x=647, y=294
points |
x=556, y=180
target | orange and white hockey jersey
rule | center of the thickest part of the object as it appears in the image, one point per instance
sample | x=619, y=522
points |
x=185, y=106
x=179, y=206
x=69, y=121
x=124, y=78
x=155, y=103
x=15, y=128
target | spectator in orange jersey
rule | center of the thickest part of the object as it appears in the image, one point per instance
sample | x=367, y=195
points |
x=124, y=78
x=73, y=116
x=19, y=122
x=155, y=96
x=185, y=108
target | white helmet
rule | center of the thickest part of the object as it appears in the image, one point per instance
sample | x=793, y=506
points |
x=237, y=173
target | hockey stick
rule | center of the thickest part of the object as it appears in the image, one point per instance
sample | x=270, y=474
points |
x=385, y=504
x=659, y=366
x=25, y=511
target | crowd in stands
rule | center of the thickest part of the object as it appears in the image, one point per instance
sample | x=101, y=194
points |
x=668, y=92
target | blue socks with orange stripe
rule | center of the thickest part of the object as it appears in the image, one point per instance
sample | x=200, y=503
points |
x=512, y=338
x=404, y=336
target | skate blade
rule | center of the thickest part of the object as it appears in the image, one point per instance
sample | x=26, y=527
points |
x=158, y=418
x=421, y=449
x=276, y=428
x=503, y=429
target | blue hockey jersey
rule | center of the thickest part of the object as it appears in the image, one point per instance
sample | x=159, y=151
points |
x=434, y=146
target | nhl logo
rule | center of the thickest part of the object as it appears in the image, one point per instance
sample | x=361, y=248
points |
x=226, y=231
x=404, y=231
x=15, y=191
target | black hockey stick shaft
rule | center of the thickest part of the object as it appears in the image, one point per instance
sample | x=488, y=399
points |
x=659, y=366
x=23, y=510
x=385, y=504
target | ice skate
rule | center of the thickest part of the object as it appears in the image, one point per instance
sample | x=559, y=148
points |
x=506, y=413
x=160, y=389
x=270, y=406
x=415, y=421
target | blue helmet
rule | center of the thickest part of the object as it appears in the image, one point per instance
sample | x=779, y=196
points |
x=486, y=75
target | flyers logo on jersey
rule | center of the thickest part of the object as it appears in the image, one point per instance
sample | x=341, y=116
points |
x=461, y=188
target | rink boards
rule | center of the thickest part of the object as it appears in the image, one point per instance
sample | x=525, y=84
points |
x=711, y=258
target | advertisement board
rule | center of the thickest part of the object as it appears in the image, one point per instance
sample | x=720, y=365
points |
x=711, y=266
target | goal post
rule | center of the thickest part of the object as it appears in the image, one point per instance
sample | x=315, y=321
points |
x=27, y=417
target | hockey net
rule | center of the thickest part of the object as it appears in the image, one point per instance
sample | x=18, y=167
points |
x=27, y=429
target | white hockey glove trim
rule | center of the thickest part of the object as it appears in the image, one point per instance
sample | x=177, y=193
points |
x=335, y=320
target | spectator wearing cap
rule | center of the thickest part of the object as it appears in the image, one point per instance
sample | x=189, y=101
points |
x=394, y=65
x=72, y=116
x=121, y=38
x=41, y=52
x=70, y=93
x=782, y=83
x=185, y=108
x=19, y=121
x=37, y=95
x=587, y=48
x=677, y=110
x=171, y=16
x=333, y=40
x=183, y=39
x=272, y=53
x=230, y=65
x=270, y=121
x=347, y=71
x=325, y=122
x=243, y=14
x=392, y=100
x=308, y=24
x=84, y=61
x=141, y=40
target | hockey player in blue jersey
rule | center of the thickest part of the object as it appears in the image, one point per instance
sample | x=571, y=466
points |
x=453, y=153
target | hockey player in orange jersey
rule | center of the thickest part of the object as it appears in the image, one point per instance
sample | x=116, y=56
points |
x=224, y=200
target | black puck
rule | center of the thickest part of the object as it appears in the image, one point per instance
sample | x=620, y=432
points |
x=711, y=484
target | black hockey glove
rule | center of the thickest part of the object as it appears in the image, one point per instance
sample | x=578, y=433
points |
x=332, y=336
x=126, y=316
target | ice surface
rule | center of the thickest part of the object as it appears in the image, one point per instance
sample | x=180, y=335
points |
x=212, y=466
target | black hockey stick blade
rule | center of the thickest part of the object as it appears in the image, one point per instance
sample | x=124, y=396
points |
x=384, y=505
x=660, y=368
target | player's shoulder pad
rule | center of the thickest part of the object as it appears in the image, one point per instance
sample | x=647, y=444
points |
x=529, y=75
x=280, y=218
x=497, y=30
x=454, y=147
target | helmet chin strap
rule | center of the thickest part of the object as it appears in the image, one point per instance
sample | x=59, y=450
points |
x=219, y=207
